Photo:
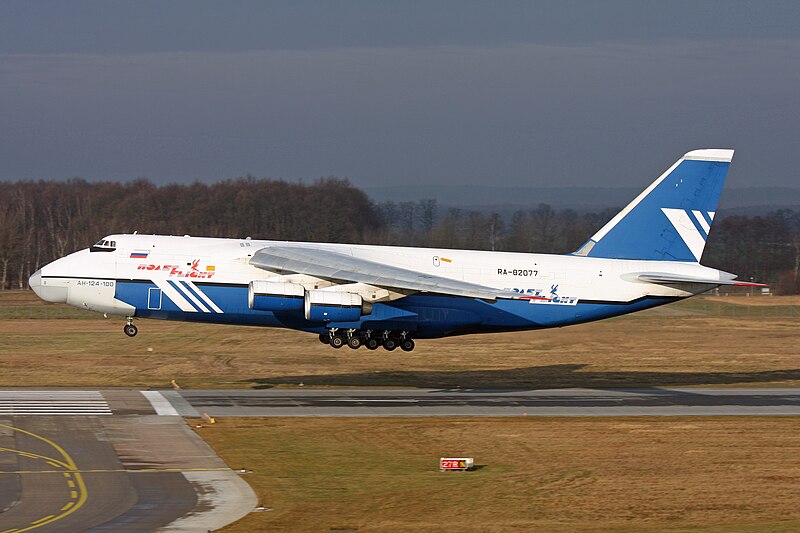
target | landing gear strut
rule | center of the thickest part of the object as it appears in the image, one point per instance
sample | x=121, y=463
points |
x=129, y=329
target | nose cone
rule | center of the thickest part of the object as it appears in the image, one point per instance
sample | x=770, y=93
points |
x=49, y=293
x=35, y=282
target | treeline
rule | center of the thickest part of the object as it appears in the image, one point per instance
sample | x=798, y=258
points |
x=41, y=221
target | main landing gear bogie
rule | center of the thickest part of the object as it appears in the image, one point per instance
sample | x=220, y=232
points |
x=354, y=339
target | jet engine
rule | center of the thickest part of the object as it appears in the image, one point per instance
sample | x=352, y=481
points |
x=317, y=305
x=329, y=306
x=275, y=296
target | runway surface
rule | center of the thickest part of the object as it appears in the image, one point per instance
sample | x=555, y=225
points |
x=475, y=402
x=125, y=461
x=106, y=461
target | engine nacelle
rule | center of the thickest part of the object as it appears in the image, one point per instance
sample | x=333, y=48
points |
x=328, y=306
x=275, y=296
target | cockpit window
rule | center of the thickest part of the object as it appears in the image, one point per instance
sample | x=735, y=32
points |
x=104, y=246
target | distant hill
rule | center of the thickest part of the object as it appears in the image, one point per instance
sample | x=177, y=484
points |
x=745, y=200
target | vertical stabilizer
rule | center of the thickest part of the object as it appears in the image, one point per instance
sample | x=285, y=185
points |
x=671, y=219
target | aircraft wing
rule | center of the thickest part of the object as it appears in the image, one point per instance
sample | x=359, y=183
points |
x=659, y=277
x=337, y=266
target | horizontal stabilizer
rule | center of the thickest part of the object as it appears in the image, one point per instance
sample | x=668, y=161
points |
x=658, y=277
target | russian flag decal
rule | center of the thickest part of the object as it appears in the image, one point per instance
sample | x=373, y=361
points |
x=139, y=255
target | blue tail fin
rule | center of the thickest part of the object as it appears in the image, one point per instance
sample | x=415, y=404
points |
x=671, y=219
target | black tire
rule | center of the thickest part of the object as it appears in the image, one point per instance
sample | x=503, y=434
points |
x=407, y=345
x=337, y=341
x=325, y=338
x=372, y=344
x=354, y=342
x=130, y=330
x=390, y=344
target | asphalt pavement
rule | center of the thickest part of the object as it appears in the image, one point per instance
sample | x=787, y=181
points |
x=106, y=461
x=485, y=402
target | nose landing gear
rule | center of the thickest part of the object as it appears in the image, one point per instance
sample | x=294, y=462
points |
x=129, y=329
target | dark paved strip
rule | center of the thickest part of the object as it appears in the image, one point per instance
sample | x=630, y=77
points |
x=475, y=402
x=127, y=502
x=161, y=498
x=129, y=473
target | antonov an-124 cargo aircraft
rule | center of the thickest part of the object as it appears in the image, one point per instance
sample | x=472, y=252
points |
x=647, y=255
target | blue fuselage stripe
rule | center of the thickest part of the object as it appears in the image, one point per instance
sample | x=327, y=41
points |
x=424, y=314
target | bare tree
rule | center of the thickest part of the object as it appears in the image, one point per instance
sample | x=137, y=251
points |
x=9, y=239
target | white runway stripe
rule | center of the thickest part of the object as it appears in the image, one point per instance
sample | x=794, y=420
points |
x=18, y=403
x=23, y=412
x=161, y=405
x=54, y=394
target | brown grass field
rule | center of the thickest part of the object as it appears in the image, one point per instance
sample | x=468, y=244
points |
x=537, y=474
x=703, y=341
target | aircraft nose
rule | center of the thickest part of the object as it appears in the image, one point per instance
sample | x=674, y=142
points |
x=35, y=282
x=48, y=293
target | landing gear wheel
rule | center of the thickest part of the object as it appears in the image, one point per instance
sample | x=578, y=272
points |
x=354, y=342
x=407, y=345
x=130, y=330
x=390, y=344
x=372, y=344
x=325, y=338
x=337, y=341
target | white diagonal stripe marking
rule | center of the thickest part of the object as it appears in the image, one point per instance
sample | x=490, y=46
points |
x=702, y=221
x=204, y=296
x=192, y=297
x=687, y=230
x=174, y=295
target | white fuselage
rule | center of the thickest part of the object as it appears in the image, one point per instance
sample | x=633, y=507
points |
x=192, y=272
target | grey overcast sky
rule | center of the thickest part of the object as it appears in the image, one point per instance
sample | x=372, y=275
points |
x=583, y=93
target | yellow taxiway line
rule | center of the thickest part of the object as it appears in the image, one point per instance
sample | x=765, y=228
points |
x=78, y=493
